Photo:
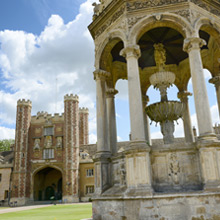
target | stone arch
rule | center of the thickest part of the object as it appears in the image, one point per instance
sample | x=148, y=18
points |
x=164, y=20
x=108, y=43
x=211, y=28
x=208, y=25
x=59, y=175
x=45, y=166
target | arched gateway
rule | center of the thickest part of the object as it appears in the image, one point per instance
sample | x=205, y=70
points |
x=157, y=43
x=48, y=184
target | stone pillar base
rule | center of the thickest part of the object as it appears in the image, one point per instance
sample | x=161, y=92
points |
x=182, y=206
x=207, y=137
x=70, y=199
x=138, y=170
x=212, y=186
x=102, y=172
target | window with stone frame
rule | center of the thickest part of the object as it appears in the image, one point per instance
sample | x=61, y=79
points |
x=6, y=194
x=89, y=172
x=89, y=189
x=48, y=131
x=48, y=154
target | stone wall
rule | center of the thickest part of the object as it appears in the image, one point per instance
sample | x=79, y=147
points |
x=5, y=173
x=189, y=206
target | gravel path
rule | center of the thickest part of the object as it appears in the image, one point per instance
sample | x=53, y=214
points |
x=16, y=209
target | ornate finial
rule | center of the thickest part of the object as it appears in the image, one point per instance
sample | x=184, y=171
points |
x=71, y=97
x=98, y=8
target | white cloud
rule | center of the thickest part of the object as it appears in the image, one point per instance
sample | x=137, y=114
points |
x=46, y=67
x=7, y=133
x=119, y=139
x=92, y=138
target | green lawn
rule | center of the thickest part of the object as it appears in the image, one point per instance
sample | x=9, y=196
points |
x=55, y=212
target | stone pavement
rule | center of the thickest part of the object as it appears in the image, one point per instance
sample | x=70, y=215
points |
x=16, y=209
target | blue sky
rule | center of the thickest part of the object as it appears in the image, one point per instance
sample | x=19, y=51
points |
x=46, y=52
x=32, y=15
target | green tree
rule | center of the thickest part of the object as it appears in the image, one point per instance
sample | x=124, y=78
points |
x=5, y=144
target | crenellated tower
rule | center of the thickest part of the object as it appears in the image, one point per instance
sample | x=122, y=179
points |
x=20, y=189
x=83, y=126
x=71, y=148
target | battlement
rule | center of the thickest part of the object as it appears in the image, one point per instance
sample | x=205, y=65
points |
x=71, y=97
x=23, y=102
x=84, y=110
x=43, y=117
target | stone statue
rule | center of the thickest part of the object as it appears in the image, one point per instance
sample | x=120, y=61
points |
x=98, y=8
x=122, y=175
x=160, y=56
x=59, y=142
x=48, y=142
x=37, y=144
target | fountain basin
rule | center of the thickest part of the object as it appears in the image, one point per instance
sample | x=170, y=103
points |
x=162, y=78
x=167, y=110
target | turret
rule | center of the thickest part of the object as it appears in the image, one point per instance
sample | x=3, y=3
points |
x=20, y=191
x=83, y=126
x=71, y=144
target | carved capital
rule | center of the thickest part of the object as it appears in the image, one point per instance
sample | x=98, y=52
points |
x=111, y=93
x=131, y=51
x=183, y=96
x=145, y=99
x=101, y=75
x=215, y=80
x=193, y=43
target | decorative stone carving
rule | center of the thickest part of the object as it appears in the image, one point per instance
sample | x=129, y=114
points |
x=111, y=92
x=122, y=174
x=207, y=7
x=159, y=55
x=113, y=18
x=98, y=8
x=183, y=96
x=174, y=168
x=48, y=142
x=134, y=20
x=59, y=142
x=37, y=131
x=193, y=43
x=131, y=50
x=184, y=13
x=101, y=75
x=37, y=144
x=150, y=3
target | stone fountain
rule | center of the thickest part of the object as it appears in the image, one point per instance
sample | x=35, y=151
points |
x=164, y=112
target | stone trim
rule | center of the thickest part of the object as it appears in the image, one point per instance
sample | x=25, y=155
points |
x=101, y=75
x=193, y=43
x=131, y=51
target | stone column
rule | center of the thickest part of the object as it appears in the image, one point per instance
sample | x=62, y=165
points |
x=112, y=130
x=103, y=154
x=132, y=53
x=138, y=167
x=192, y=47
x=102, y=126
x=146, y=120
x=216, y=81
x=183, y=96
